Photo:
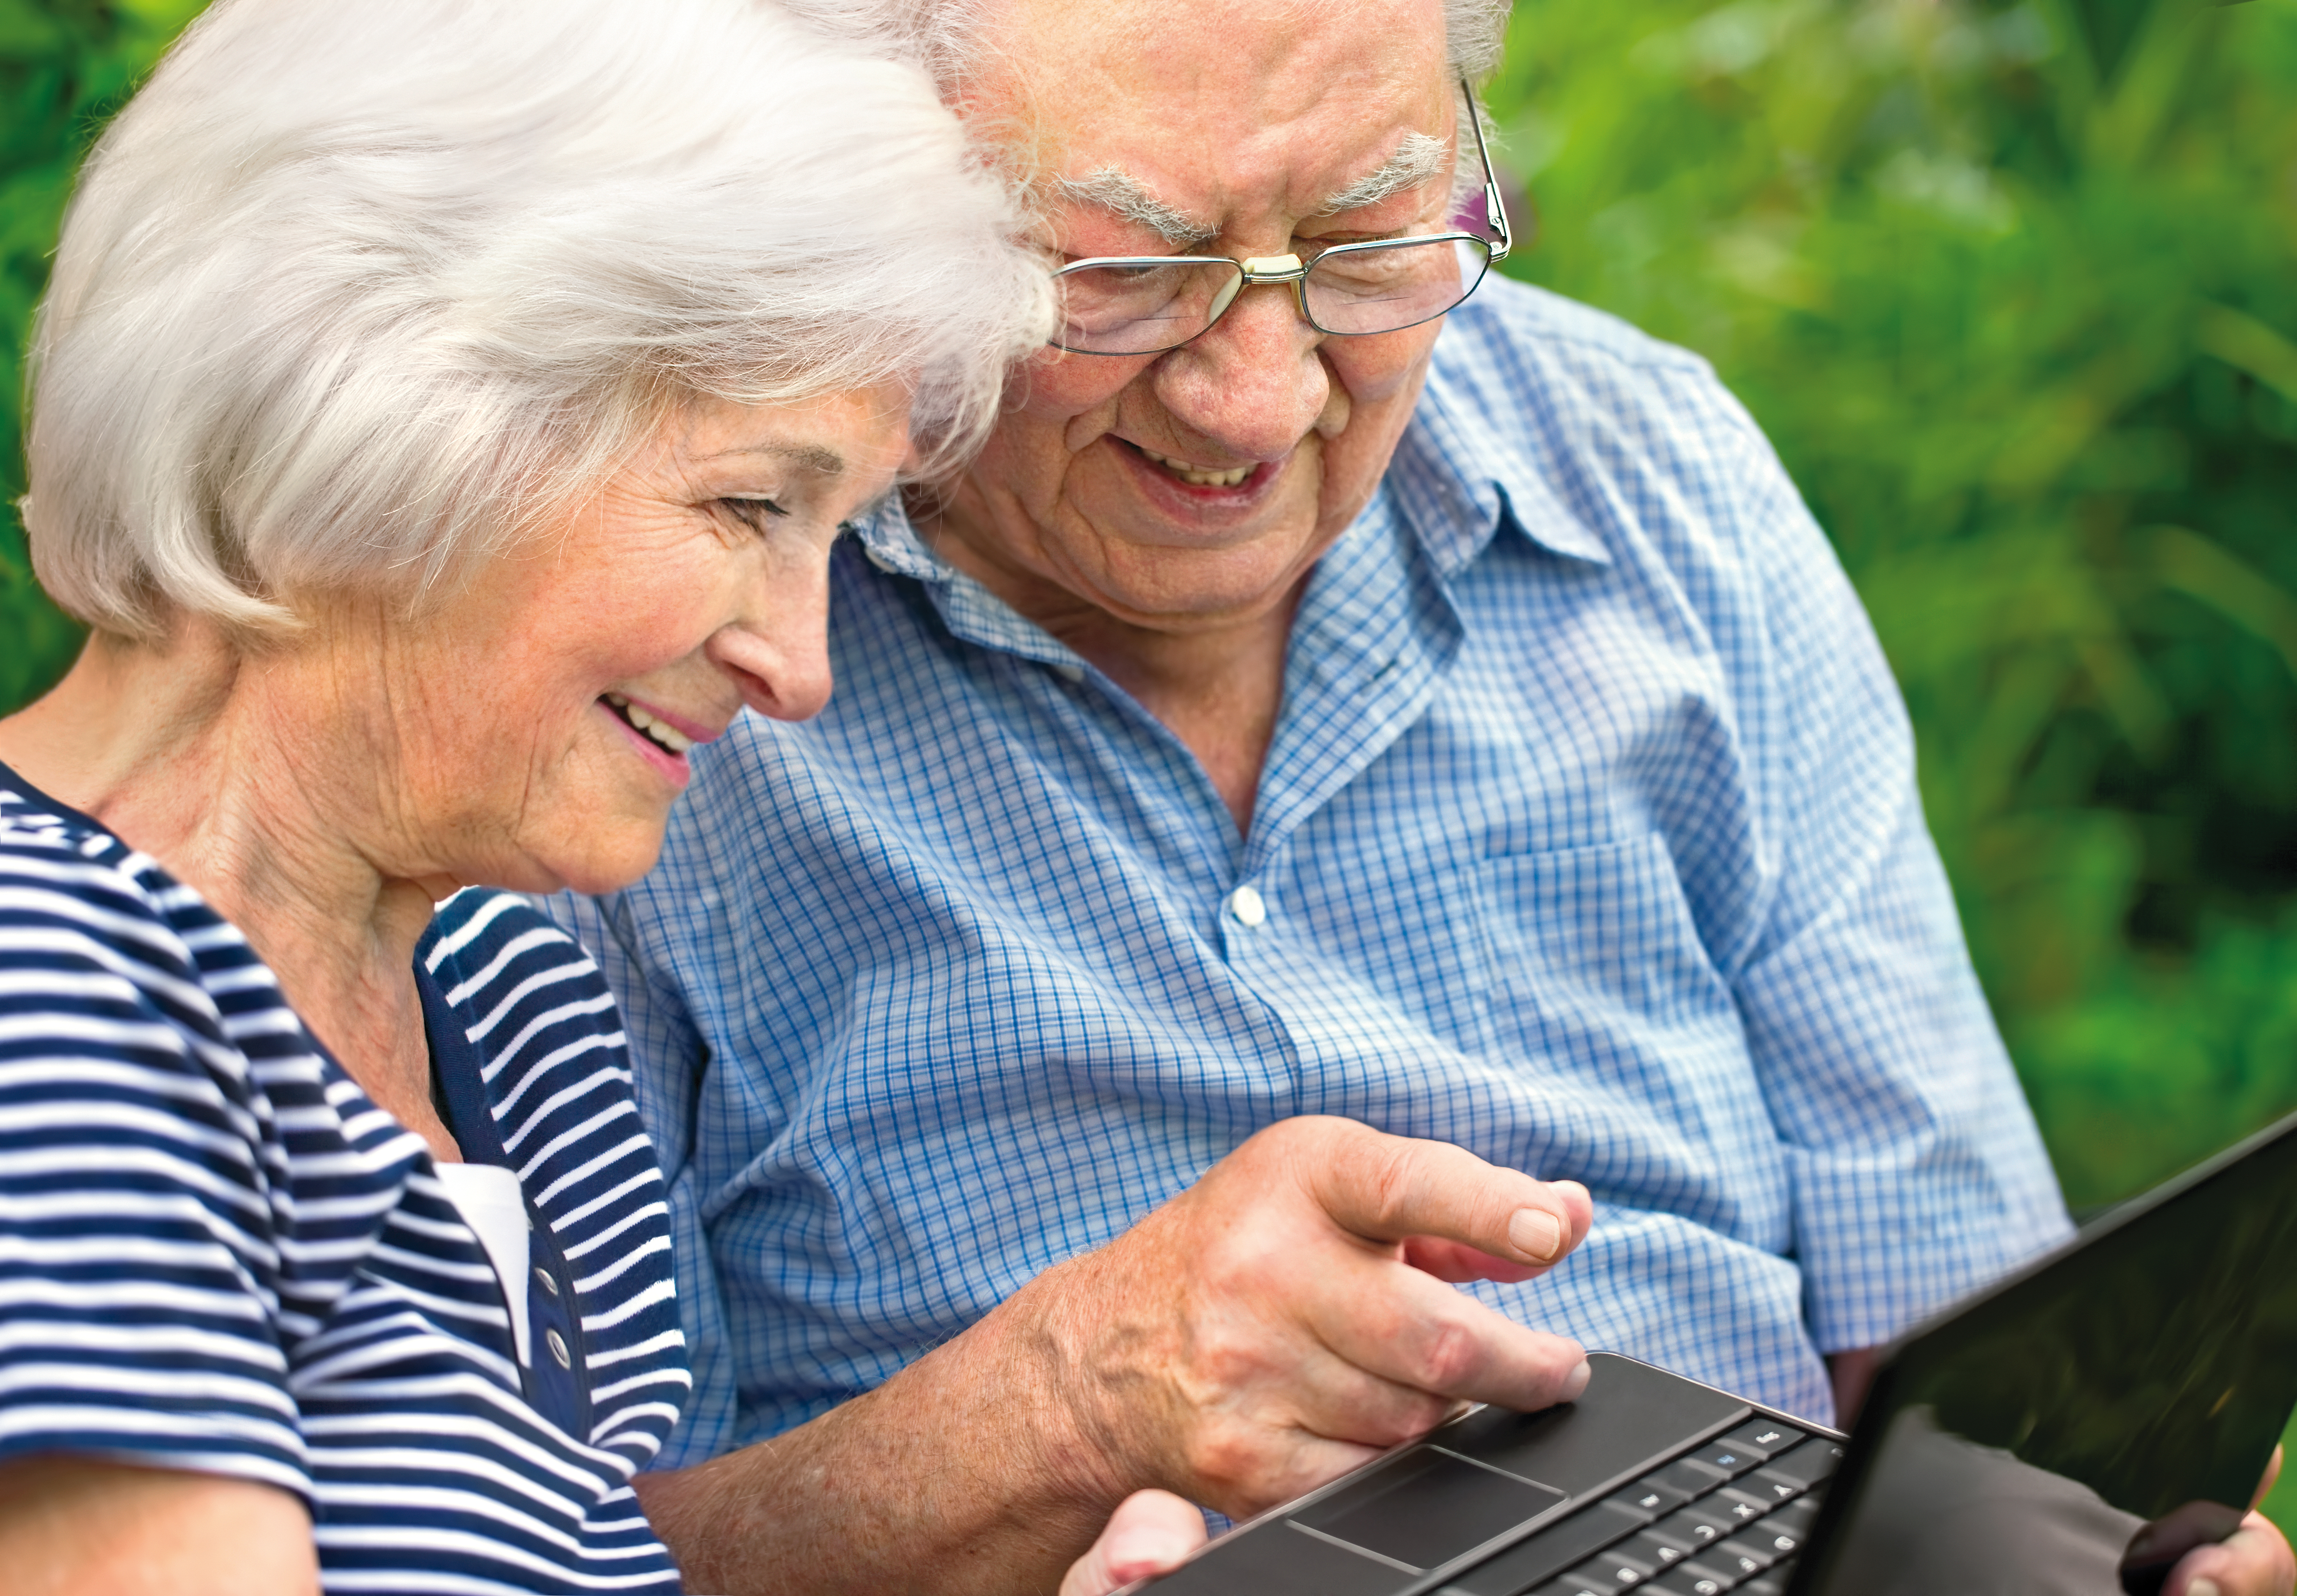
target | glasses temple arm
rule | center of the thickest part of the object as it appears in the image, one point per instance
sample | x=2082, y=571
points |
x=1495, y=215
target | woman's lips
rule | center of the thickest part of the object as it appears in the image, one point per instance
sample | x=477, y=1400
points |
x=674, y=766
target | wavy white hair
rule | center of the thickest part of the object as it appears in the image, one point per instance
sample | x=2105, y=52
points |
x=352, y=292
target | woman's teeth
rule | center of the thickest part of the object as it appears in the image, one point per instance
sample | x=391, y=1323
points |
x=1199, y=476
x=666, y=737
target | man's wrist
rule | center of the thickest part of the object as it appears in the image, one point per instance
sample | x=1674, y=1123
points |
x=1083, y=1432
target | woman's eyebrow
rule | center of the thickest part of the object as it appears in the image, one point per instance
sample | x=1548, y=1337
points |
x=805, y=456
x=1418, y=156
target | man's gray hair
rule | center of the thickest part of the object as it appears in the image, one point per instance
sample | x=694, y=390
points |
x=953, y=39
x=352, y=293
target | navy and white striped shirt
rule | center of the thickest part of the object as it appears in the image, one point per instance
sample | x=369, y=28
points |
x=217, y=1254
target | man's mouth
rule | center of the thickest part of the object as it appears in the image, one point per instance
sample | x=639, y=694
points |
x=1200, y=476
x=668, y=738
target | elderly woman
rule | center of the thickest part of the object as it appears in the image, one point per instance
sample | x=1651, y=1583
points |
x=442, y=415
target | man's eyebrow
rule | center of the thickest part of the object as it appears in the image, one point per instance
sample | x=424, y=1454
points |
x=806, y=456
x=1120, y=191
x=1417, y=159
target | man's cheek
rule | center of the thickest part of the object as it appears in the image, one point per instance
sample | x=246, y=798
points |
x=1053, y=385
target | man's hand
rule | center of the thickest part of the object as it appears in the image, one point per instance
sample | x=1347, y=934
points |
x=1149, y=1533
x=1288, y=1317
x=2254, y=1560
x=1273, y=1325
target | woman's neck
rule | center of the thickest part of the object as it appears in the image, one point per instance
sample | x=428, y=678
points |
x=251, y=781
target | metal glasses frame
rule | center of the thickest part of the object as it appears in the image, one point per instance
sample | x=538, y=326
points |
x=1291, y=269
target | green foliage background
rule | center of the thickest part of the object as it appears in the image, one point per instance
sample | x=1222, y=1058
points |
x=2011, y=286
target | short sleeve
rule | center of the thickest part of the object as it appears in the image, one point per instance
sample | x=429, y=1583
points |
x=139, y=1245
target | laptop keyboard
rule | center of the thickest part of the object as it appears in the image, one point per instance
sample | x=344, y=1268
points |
x=1726, y=1514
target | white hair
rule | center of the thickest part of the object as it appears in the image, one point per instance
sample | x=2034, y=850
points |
x=350, y=293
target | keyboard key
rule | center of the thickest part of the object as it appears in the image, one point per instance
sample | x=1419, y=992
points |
x=1702, y=1523
x=1738, y=1503
x=1796, y=1518
x=1772, y=1540
x=1740, y=1555
x=1691, y=1477
x=1647, y=1500
x=1729, y=1460
x=1772, y=1487
x=1613, y=1571
x=1770, y=1584
x=1660, y=1551
x=1766, y=1438
x=1676, y=1582
x=1569, y=1587
x=1808, y=1463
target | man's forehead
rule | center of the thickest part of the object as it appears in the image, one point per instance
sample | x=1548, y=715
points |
x=1197, y=102
x=1416, y=160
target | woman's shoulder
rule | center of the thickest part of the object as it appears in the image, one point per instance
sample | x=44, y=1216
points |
x=79, y=902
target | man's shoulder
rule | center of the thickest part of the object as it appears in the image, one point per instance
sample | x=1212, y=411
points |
x=1543, y=323
x=1528, y=359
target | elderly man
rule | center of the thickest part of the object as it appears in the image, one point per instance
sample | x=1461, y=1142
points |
x=1310, y=704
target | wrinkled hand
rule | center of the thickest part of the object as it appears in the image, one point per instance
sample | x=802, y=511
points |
x=1149, y=1533
x=2254, y=1560
x=1287, y=1318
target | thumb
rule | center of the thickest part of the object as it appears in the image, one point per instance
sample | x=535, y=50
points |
x=1149, y=1533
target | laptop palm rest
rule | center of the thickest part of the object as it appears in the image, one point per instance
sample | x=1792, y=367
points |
x=1405, y=1523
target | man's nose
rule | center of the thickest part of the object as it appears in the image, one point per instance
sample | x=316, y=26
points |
x=778, y=654
x=1251, y=383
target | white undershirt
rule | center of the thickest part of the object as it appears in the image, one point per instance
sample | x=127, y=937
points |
x=491, y=1203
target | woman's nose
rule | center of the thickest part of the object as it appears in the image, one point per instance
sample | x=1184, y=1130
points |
x=779, y=658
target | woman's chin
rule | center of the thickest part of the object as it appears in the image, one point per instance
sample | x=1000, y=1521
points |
x=612, y=863
x=604, y=859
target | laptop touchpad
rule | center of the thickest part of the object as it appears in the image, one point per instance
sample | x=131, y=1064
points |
x=1427, y=1507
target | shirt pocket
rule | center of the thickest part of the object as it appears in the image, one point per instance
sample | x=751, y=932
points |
x=1596, y=950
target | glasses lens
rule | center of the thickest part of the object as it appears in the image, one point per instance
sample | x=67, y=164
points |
x=1381, y=288
x=1141, y=309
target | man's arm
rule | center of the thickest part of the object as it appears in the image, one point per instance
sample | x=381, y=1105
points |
x=1281, y=1322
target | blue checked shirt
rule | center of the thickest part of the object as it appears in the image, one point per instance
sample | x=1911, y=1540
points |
x=1588, y=840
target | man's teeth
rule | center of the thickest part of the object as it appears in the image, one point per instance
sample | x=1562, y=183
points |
x=1199, y=476
x=669, y=736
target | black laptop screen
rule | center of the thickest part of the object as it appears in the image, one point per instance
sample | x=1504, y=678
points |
x=2141, y=1377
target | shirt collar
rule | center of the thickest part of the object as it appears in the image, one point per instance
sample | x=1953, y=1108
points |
x=969, y=610
x=1456, y=475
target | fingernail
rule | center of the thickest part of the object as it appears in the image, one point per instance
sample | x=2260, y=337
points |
x=2203, y=1586
x=1575, y=1382
x=1537, y=1232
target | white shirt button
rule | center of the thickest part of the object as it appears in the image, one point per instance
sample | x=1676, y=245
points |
x=1067, y=672
x=1248, y=908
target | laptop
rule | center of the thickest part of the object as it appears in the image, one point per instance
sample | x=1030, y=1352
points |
x=2075, y=1428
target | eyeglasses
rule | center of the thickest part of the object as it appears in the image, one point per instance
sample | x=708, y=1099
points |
x=1147, y=304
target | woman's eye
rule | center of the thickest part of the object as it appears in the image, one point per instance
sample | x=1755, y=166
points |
x=753, y=513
